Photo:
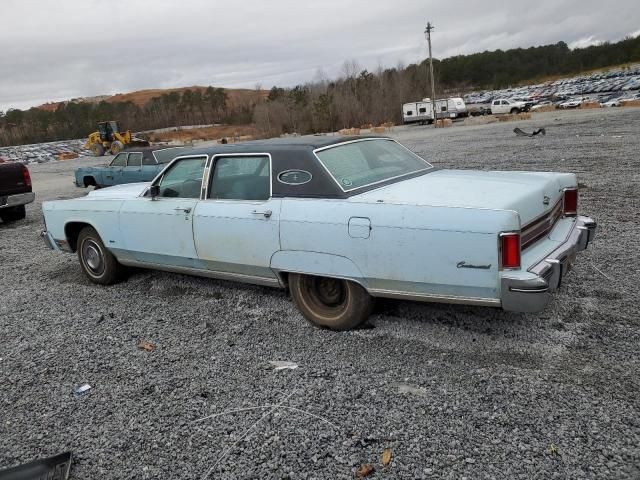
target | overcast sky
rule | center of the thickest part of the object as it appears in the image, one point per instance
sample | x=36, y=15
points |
x=60, y=50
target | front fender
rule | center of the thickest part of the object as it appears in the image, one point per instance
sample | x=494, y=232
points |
x=316, y=263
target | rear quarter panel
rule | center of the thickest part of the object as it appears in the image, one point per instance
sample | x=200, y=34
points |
x=410, y=248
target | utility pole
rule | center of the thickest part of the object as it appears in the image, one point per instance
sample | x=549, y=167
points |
x=427, y=33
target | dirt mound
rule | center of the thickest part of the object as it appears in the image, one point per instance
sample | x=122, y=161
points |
x=205, y=133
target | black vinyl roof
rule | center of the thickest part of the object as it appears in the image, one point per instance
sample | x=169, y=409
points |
x=294, y=153
x=307, y=142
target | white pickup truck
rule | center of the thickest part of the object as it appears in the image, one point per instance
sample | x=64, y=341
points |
x=503, y=105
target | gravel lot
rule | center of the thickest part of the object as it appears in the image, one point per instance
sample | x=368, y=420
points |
x=456, y=392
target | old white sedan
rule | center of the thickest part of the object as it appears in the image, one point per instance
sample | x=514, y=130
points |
x=337, y=221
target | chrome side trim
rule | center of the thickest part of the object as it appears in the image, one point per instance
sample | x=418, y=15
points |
x=428, y=297
x=234, y=277
x=529, y=290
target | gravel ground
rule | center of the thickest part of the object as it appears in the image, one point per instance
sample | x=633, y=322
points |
x=455, y=392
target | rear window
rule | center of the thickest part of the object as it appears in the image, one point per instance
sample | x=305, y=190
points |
x=167, y=154
x=366, y=162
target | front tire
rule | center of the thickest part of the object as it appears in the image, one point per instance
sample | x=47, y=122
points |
x=514, y=111
x=97, y=263
x=330, y=302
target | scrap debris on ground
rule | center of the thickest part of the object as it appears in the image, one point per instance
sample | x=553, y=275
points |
x=522, y=133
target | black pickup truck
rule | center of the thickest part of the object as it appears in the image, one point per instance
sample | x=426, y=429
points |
x=15, y=191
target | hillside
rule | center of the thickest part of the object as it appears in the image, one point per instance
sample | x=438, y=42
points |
x=236, y=97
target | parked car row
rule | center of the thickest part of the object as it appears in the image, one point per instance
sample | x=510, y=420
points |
x=337, y=221
x=601, y=84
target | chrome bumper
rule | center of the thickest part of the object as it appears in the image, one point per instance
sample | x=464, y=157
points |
x=533, y=294
x=53, y=244
x=48, y=240
x=17, y=200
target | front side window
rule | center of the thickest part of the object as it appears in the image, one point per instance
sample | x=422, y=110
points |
x=135, y=159
x=119, y=161
x=183, y=179
x=358, y=164
x=241, y=178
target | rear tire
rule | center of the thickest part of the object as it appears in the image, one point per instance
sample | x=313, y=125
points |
x=97, y=149
x=329, y=302
x=515, y=111
x=116, y=147
x=13, y=214
x=97, y=263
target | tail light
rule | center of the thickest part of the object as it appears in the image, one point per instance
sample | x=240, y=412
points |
x=510, y=250
x=26, y=176
x=570, y=202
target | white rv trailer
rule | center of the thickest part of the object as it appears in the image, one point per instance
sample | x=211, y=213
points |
x=422, y=112
x=417, y=112
x=452, y=107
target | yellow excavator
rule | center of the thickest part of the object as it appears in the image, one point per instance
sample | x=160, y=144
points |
x=110, y=139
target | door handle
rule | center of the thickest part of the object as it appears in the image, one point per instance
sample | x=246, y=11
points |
x=266, y=214
x=184, y=210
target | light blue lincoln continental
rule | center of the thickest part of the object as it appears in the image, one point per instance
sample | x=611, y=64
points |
x=337, y=221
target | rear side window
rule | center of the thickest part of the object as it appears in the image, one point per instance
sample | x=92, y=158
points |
x=241, y=178
x=183, y=179
x=135, y=159
x=148, y=159
x=120, y=160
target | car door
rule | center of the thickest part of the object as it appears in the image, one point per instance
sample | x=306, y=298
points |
x=113, y=173
x=236, y=227
x=159, y=230
x=132, y=173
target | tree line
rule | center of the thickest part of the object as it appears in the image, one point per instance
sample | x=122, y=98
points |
x=357, y=97
x=77, y=119
x=361, y=97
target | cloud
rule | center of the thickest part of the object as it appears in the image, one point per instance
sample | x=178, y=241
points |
x=56, y=51
x=584, y=42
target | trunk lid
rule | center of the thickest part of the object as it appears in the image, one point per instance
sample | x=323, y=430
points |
x=12, y=179
x=531, y=194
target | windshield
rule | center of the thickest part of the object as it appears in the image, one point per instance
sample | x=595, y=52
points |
x=167, y=154
x=366, y=162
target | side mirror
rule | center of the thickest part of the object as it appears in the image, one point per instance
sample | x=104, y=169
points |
x=154, y=191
